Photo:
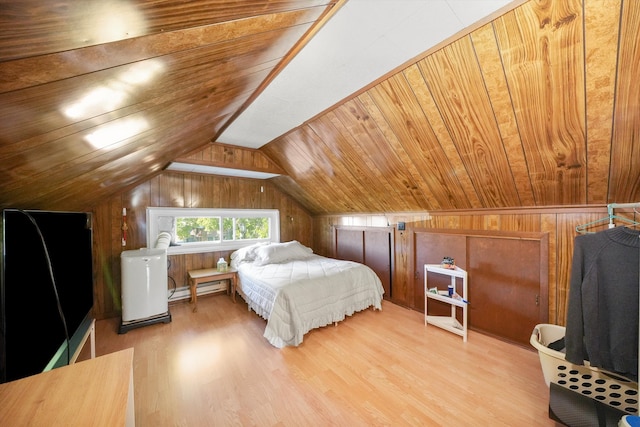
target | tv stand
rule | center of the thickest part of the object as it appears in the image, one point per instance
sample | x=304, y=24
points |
x=69, y=351
x=89, y=334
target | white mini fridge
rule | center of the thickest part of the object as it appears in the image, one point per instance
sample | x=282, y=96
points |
x=144, y=288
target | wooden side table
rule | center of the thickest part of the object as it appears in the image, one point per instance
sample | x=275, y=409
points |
x=211, y=275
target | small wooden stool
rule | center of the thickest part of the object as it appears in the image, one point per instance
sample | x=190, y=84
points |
x=211, y=275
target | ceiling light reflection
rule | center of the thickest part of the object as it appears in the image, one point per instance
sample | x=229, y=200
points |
x=141, y=72
x=103, y=22
x=117, y=131
x=115, y=92
x=95, y=102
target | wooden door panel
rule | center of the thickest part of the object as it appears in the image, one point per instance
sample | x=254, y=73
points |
x=430, y=248
x=504, y=286
x=350, y=245
x=371, y=246
x=508, y=277
x=377, y=255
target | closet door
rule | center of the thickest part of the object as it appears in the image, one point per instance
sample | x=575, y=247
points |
x=350, y=245
x=371, y=246
x=504, y=287
x=508, y=278
x=377, y=255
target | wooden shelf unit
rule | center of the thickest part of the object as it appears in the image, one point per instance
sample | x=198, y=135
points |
x=449, y=323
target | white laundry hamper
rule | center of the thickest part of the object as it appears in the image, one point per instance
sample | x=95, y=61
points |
x=600, y=385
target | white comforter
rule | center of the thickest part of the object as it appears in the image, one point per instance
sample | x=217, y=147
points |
x=297, y=296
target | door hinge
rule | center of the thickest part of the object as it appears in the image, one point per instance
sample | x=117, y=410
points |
x=417, y=275
x=537, y=299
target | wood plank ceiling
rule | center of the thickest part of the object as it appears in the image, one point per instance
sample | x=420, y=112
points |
x=539, y=107
x=158, y=78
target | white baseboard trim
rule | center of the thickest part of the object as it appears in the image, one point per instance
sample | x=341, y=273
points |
x=202, y=289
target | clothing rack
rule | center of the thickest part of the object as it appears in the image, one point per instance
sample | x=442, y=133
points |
x=611, y=217
x=610, y=209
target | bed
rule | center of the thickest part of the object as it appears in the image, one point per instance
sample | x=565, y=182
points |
x=296, y=290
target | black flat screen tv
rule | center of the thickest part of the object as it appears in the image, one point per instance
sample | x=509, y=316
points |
x=46, y=295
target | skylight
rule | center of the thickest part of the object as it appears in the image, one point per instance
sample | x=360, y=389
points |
x=213, y=170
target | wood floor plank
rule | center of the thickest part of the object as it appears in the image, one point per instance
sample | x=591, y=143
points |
x=214, y=367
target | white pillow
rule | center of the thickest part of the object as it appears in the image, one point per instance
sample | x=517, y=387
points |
x=280, y=252
x=248, y=253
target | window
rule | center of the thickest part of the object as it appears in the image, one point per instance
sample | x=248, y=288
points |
x=203, y=230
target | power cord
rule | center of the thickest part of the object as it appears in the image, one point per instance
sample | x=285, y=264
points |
x=173, y=291
x=53, y=282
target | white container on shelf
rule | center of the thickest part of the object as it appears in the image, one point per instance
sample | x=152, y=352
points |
x=222, y=265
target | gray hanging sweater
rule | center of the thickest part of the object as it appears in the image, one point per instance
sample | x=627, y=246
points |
x=602, y=317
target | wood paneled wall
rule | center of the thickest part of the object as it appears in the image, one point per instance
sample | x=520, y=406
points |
x=180, y=190
x=231, y=156
x=559, y=222
x=193, y=190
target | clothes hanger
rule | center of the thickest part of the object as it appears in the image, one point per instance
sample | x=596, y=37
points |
x=582, y=229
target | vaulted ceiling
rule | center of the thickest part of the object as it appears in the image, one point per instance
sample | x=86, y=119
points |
x=100, y=95
x=540, y=107
x=537, y=106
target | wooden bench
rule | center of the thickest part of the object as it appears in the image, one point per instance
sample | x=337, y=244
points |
x=211, y=275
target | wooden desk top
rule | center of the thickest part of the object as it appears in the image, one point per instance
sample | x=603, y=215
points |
x=206, y=272
x=93, y=392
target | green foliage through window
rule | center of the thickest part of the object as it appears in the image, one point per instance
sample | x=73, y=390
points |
x=200, y=230
x=207, y=229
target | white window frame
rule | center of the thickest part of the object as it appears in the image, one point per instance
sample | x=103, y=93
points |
x=154, y=227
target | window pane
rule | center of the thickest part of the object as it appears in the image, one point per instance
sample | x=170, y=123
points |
x=252, y=228
x=197, y=229
x=227, y=228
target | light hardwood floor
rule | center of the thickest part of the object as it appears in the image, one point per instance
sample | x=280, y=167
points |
x=214, y=368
